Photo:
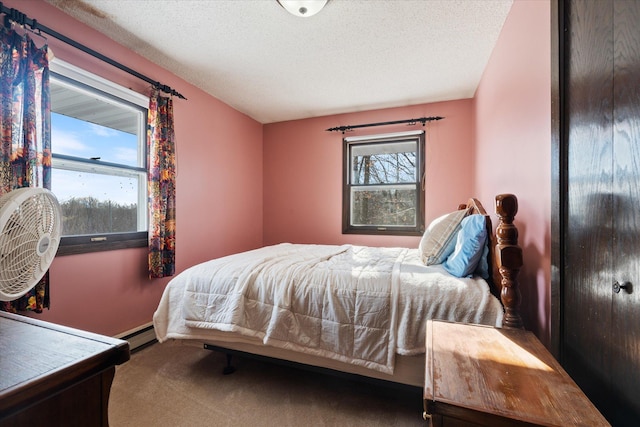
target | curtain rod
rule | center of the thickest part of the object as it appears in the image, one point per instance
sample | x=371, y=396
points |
x=348, y=128
x=14, y=15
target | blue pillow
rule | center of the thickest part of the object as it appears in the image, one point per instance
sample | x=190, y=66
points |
x=483, y=265
x=470, y=244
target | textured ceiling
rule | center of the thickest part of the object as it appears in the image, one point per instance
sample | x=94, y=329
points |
x=354, y=55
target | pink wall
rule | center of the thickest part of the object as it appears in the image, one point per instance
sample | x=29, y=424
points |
x=303, y=171
x=499, y=142
x=219, y=191
x=241, y=184
x=513, y=137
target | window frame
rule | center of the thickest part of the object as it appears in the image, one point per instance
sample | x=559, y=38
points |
x=87, y=243
x=348, y=143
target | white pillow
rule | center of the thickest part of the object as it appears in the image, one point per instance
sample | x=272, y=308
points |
x=439, y=240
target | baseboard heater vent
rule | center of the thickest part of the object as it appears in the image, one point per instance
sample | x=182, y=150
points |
x=139, y=337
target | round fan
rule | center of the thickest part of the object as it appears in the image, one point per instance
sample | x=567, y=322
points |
x=30, y=228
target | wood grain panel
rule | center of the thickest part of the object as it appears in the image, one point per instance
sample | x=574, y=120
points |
x=52, y=375
x=498, y=377
x=600, y=328
x=625, y=328
x=588, y=256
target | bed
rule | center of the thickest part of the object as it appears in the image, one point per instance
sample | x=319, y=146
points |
x=353, y=309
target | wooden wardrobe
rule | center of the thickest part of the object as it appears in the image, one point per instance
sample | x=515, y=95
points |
x=596, y=200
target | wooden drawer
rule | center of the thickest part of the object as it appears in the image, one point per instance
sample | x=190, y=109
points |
x=53, y=376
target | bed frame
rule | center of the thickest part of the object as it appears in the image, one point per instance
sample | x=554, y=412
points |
x=505, y=258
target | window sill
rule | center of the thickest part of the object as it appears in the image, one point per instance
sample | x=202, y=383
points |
x=73, y=245
x=385, y=232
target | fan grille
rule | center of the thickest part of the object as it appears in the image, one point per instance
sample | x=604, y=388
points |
x=28, y=242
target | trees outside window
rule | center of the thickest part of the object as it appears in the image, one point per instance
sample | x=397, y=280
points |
x=382, y=184
x=99, y=173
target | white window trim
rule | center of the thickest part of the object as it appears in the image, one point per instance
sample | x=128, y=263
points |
x=80, y=75
x=396, y=135
x=71, y=71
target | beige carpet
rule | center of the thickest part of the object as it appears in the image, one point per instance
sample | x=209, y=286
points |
x=175, y=385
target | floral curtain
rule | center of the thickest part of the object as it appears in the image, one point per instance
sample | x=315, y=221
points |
x=25, y=132
x=162, y=187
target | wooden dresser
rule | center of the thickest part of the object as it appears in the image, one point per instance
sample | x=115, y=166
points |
x=52, y=375
x=483, y=376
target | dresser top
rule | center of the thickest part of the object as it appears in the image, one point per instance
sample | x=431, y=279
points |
x=503, y=372
x=37, y=356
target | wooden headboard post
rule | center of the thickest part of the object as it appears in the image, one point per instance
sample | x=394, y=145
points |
x=508, y=259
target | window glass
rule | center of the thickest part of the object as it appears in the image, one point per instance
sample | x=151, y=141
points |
x=383, y=184
x=99, y=159
x=385, y=206
x=87, y=210
x=80, y=138
x=384, y=163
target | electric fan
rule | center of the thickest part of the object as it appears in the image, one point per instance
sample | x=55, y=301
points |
x=30, y=228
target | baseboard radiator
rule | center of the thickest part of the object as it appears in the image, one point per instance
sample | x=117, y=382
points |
x=139, y=337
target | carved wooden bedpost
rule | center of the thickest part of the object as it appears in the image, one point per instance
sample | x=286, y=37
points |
x=508, y=258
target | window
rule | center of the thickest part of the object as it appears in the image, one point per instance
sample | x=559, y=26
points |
x=382, y=184
x=99, y=174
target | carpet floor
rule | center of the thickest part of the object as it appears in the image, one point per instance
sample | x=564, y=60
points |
x=175, y=385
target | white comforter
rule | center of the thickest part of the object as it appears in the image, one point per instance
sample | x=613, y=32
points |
x=356, y=304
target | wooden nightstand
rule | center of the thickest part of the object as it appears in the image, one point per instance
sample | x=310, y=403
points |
x=51, y=375
x=483, y=376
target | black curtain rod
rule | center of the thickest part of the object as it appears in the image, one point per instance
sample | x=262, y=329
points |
x=422, y=120
x=14, y=15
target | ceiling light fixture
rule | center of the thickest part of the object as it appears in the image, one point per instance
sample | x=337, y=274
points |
x=303, y=8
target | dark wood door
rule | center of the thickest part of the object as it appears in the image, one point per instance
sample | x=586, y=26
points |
x=625, y=331
x=600, y=328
